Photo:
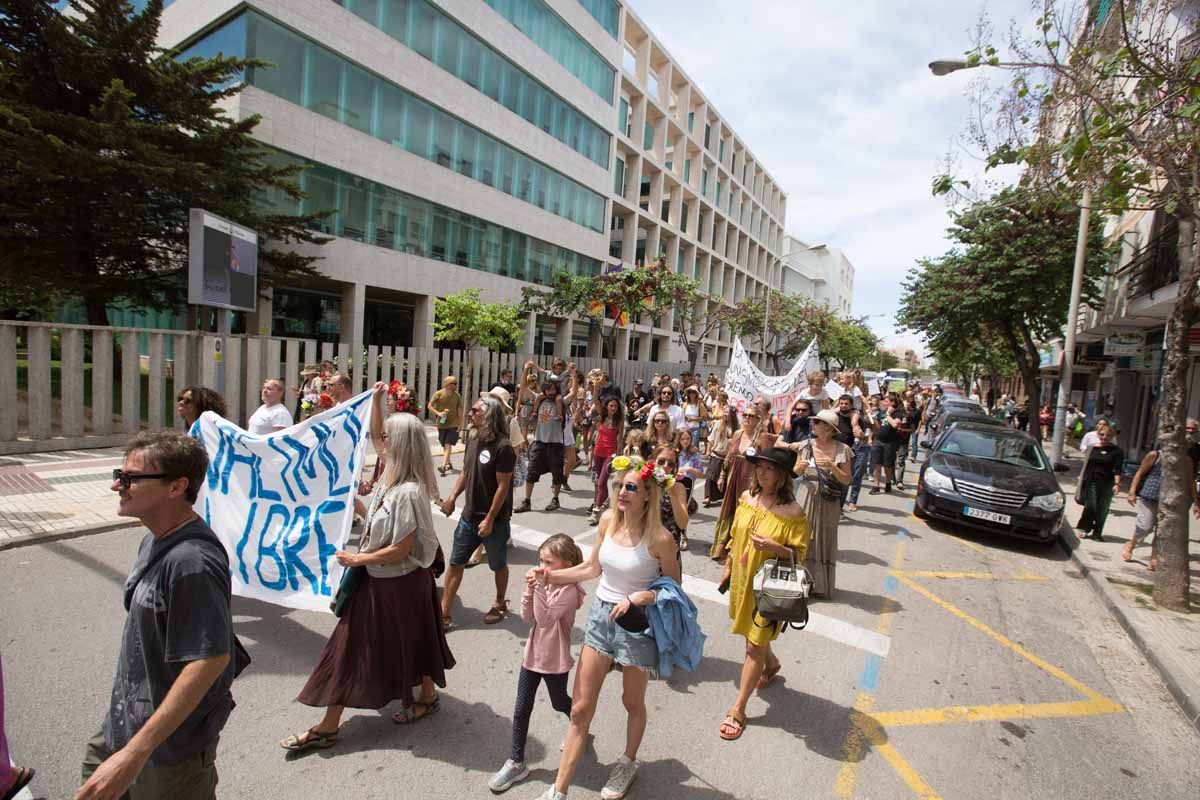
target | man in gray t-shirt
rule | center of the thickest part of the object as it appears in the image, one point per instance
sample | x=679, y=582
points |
x=171, y=693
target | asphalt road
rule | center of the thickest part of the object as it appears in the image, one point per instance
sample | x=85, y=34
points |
x=951, y=665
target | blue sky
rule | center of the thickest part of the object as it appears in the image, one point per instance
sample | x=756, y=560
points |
x=835, y=98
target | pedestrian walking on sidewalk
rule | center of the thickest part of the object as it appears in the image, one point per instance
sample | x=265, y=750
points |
x=1143, y=494
x=487, y=480
x=446, y=406
x=723, y=430
x=1099, y=480
x=632, y=551
x=824, y=463
x=769, y=524
x=610, y=430
x=171, y=693
x=550, y=610
x=389, y=639
x=12, y=779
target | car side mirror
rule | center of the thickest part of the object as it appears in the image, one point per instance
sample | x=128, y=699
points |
x=1061, y=468
x=925, y=445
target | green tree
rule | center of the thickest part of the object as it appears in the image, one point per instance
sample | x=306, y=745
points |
x=697, y=316
x=105, y=143
x=465, y=318
x=612, y=300
x=1111, y=101
x=784, y=324
x=1009, y=273
x=848, y=343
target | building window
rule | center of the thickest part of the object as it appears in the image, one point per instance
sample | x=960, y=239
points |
x=366, y=211
x=548, y=31
x=623, y=117
x=648, y=137
x=704, y=182
x=619, y=178
x=312, y=76
x=707, y=136
x=718, y=203
x=721, y=152
x=687, y=171
x=691, y=121
x=425, y=29
x=683, y=217
x=606, y=12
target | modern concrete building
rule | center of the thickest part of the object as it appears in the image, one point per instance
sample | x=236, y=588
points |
x=819, y=272
x=489, y=143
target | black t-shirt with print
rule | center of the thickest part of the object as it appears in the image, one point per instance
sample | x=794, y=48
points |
x=1103, y=463
x=483, y=461
x=178, y=612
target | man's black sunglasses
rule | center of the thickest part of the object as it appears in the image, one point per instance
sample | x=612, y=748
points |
x=126, y=479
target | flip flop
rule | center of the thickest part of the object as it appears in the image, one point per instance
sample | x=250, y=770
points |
x=733, y=726
x=312, y=739
x=407, y=716
x=22, y=779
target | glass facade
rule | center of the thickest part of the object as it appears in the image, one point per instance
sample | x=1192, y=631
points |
x=313, y=77
x=648, y=137
x=425, y=29
x=548, y=31
x=370, y=212
x=623, y=116
x=619, y=178
x=606, y=12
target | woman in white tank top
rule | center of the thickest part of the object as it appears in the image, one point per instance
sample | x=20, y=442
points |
x=633, y=550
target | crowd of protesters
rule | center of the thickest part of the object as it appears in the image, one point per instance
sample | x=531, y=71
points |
x=782, y=481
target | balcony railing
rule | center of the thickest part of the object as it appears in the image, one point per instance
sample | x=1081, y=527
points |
x=1157, y=264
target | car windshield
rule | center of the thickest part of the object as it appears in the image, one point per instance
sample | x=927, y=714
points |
x=990, y=446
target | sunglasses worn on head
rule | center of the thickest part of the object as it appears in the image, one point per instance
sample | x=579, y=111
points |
x=126, y=479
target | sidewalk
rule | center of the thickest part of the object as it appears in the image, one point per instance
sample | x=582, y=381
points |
x=1169, y=640
x=46, y=497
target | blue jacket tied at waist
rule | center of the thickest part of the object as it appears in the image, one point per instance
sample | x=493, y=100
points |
x=675, y=628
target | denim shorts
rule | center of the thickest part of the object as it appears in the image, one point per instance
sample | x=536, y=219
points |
x=495, y=544
x=608, y=638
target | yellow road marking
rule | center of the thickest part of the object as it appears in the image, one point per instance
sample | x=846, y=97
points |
x=1004, y=640
x=953, y=714
x=909, y=775
x=983, y=576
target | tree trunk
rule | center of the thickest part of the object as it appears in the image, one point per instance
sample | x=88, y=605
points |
x=694, y=356
x=467, y=397
x=1171, y=580
x=97, y=309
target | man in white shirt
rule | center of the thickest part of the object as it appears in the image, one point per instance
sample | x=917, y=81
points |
x=272, y=415
x=666, y=404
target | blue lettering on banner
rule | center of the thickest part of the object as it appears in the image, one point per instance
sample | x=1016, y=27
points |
x=280, y=503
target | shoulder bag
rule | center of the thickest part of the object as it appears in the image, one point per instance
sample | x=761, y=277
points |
x=781, y=593
x=828, y=487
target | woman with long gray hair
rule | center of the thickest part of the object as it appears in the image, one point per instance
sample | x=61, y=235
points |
x=389, y=640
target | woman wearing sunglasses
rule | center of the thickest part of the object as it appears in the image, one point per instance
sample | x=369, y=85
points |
x=658, y=432
x=673, y=507
x=734, y=476
x=194, y=401
x=769, y=524
x=632, y=551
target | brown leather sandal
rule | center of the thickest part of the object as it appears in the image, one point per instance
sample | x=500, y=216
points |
x=733, y=726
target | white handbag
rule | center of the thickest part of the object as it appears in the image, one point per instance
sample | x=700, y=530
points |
x=781, y=592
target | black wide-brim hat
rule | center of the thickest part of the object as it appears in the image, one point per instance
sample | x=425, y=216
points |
x=778, y=456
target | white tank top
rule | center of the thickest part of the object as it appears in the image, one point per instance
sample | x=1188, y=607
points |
x=625, y=570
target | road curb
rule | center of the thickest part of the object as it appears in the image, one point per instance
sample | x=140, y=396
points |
x=25, y=540
x=1188, y=703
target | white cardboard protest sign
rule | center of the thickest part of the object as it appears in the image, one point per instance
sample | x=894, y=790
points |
x=283, y=503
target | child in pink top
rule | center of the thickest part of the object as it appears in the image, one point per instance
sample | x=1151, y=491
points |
x=551, y=610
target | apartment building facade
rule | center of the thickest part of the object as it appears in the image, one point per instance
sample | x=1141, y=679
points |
x=488, y=143
x=820, y=272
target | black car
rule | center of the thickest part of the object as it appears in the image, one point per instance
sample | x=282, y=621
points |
x=959, y=412
x=991, y=477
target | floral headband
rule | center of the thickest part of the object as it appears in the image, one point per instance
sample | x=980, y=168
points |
x=646, y=470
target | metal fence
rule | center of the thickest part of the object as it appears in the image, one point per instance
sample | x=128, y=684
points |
x=64, y=387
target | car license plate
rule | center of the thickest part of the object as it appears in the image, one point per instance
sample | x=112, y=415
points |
x=990, y=516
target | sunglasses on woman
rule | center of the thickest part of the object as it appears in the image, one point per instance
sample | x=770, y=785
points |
x=630, y=487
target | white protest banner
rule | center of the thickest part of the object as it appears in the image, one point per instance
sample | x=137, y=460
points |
x=744, y=381
x=283, y=503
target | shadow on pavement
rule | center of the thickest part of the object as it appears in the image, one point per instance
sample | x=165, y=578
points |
x=883, y=527
x=279, y=645
x=88, y=562
x=821, y=724
x=1046, y=551
x=859, y=557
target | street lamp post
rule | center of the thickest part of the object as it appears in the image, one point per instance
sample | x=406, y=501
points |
x=945, y=67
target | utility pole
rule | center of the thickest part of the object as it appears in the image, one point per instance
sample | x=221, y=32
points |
x=1064, y=378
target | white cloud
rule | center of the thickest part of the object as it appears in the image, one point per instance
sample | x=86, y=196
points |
x=836, y=100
